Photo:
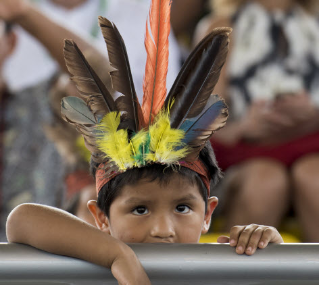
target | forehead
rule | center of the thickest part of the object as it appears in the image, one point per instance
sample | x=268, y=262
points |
x=176, y=188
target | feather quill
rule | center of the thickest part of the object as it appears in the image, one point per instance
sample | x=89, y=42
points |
x=89, y=85
x=139, y=141
x=198, y=77
x=156, y=44
x=122, y=79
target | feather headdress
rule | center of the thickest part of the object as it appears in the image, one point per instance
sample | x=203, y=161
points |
x=121, y=133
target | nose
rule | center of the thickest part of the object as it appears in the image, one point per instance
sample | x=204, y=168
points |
x=162, y=227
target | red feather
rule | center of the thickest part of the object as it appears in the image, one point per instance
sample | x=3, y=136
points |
x=156, y=45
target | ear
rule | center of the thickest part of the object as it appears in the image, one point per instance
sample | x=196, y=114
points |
x=101, y=220
x=211, y=206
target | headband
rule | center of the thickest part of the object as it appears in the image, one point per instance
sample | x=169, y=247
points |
x=102, y=177
x=169, y=129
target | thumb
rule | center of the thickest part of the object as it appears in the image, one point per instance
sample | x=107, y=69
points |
x=223, y=239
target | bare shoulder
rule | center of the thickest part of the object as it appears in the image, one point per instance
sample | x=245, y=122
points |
x=207, y=24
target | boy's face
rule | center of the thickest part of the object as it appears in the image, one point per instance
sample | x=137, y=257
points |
x=150, y=213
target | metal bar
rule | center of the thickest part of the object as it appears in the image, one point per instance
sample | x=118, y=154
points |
x=169, y=264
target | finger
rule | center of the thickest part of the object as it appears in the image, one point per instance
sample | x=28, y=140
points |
x=276, y=119
x=254, y=240
x=244, y=238
x=223, y=239
x=234, y=234
x=270, y=234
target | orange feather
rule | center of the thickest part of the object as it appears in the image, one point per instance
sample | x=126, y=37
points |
x=156, y=45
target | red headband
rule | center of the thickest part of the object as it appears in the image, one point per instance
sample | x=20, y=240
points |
x=197, y=166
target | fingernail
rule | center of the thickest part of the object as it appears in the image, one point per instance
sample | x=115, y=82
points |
x=240, y=249
x=249, y=249
x=232, y=242
x=261, y=244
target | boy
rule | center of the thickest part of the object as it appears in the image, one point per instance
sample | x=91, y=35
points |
x=144, y=208
x=152, y=164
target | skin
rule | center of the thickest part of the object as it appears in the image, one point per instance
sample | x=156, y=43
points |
x=166, y=215
x=24, y=14
x=64, y=234
x=144, y=212
x=306, y=183
x=250, y=192
x=160, y=213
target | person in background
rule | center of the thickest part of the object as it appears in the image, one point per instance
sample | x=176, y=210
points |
x=31, y=62
x=270, y=147
x=185, y=16
x=7, y=44
x=29, y=157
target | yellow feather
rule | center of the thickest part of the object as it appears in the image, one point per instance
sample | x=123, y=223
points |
x=113, y=143
x=165, y=141
x=161, y=143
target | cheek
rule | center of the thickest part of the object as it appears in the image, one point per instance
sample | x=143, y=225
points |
x=128, y=230
x=189, y=228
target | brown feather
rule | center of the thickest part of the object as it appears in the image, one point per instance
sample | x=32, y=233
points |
x=198, y=77
x=89, y=85
x=122, y=79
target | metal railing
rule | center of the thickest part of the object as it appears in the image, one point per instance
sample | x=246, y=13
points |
x=283, y=264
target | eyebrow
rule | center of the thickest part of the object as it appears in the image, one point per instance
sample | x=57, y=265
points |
x=186, y=198
x=135, y=200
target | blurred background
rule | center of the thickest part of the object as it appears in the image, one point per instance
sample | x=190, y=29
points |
x=269, y=149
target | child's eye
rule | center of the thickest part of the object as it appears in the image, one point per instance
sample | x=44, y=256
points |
x=183, y=209
x=140, y=210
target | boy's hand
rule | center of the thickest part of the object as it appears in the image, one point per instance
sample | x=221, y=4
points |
x=246, y=239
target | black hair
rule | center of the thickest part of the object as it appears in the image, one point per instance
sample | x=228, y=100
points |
x=160, y=173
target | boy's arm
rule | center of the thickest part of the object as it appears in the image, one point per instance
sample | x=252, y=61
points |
x=48, y=32
x=58, y=232
x=246, y=239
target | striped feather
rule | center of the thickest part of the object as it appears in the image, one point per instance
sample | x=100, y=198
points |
x=156, y=44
